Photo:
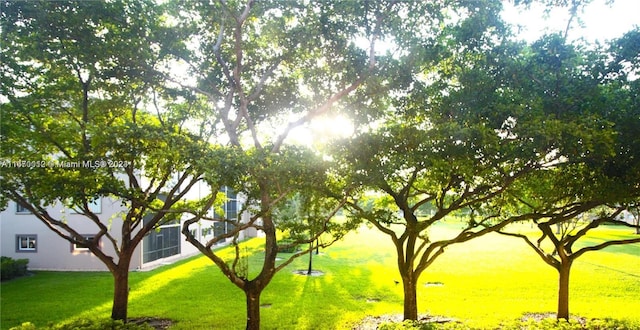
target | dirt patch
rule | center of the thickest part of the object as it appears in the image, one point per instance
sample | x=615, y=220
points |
x=541, y=316
x=306, y=272
x=155, y=322
x=434, y=284
x=373, y=322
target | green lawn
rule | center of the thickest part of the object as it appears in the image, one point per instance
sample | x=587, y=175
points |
x=486, y=281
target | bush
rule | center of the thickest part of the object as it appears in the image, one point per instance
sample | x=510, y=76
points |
x=290, y=249
x=553, y=324
x=530, y=324
x=86, y=324
x=11, y=268
x=408, y=325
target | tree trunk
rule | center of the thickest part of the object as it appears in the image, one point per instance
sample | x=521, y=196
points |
x=120, y=293
x=410, y=298
x=253, y=309
x=563, y=290
x=310, y=258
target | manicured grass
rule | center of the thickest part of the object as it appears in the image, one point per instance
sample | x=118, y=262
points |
x=485, y=281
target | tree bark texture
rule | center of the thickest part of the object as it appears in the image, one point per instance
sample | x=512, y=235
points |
x=563, y=290
x=120, y=293
x=410, y=297
x=253, y=309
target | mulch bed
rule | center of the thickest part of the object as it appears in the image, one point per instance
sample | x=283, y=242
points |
x=541, y=316
x=373, y=322
x=156, y=323
x=305, y=272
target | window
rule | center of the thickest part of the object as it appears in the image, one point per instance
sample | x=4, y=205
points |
x=230, y=206
x=94, y=206
x=26, y=243
x=21, y=209
x=161, y=243
x=230, y=213
x=207, y=231
x=78, y=247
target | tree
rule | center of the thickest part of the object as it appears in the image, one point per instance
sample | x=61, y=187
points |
x=596, y=178
x=78, y=83
x=566, y=213
x=302, y=216
x=560, y=253
x=292, y=170
x=408, y=168
x=455, y=140
x=268, y=67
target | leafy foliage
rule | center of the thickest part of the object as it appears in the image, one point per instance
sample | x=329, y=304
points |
x=81, y=81
x=529, y=324
x=87, y=324
x=580, y=191
x=12, y=268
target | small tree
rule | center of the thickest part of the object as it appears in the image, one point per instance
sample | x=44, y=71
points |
x=303, y=216
x=293, y=170
x=561, y=225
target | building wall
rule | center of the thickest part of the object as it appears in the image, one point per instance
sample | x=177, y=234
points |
x=52, y=252
x=627, y=217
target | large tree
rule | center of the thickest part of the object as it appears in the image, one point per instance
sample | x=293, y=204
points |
x=78, y=82
x=267, y=67
x=450, y=141
x=594, y=93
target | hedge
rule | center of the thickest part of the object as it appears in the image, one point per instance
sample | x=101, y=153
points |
x=12, y=268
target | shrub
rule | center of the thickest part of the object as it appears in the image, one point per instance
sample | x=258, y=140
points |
x=422, y=325
x=606, y=324
x=553, y=324
x=11, y=268
x=530, y=324
x=290, y=249
x=86, y=324
x=408, y=325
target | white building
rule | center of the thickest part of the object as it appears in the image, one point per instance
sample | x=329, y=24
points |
x=23, y=236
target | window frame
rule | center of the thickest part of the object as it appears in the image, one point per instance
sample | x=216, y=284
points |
x=76, y=248
x=29, y=237
x=21, y=209
x=95, y=207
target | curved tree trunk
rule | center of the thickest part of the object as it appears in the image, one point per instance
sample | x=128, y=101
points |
x=563, y=290
x=410, y=297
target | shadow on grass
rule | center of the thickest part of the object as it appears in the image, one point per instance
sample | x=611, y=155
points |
x=199, y=298
x=339, y=298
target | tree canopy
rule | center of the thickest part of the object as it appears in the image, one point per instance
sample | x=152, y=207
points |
x=80, y=121
x=453, y=117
